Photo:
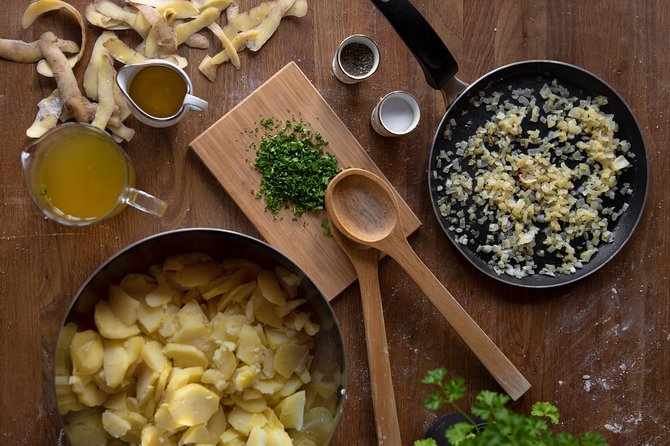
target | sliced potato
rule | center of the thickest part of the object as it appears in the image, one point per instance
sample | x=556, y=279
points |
x=291, y=410
x=196, y=335
x=249, y=346
x=114, y=424
x=193, y=404
x=254, y=405
x=115, y=362
x=179, y=377
x=196, y=274
x=153, y=356
x=86, y=352
x=185, y=355
x=109, y=325
x=225, y=362
x=137, y=285
x=240, y=419
x=123, y=305
x=62, y=360
x=178, y=262
x=257, y=437
x=290, y=358
x=164, y=420
x=149, y=318
x=134, y=348
x=91, y=395
x=194, y=435
x=160, y=296
x=155, y=436
x=270, y=288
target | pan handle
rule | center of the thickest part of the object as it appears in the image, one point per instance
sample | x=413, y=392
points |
x=438, y=65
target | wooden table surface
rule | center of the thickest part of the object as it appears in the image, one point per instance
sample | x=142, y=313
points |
x=612, y=326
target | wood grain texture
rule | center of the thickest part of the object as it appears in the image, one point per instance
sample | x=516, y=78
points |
x=613, y=326
x=226, y=148
x=366, y=264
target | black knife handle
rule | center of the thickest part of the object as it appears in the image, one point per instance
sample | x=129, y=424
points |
x=438, y=65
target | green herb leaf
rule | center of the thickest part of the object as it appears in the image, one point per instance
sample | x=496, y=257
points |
x=434, y=401
x=454, y=389
x=547, y=410
x=325, y=225
x=534, y=427
x=425, y=442
x=592, y=439
x=487, y=403
x=566, y=439
x=435, y=376
x=458, y=433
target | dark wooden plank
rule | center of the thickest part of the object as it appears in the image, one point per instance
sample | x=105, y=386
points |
x=613, y=326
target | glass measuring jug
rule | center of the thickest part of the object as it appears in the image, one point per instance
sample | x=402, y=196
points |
x=77, y=175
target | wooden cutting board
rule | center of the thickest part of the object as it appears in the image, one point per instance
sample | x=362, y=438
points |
x=226, y=150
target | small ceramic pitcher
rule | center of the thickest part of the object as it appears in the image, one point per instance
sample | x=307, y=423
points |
x=170, y=82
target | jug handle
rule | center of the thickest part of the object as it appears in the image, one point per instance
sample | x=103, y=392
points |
x=195, y=102
x=145, y=202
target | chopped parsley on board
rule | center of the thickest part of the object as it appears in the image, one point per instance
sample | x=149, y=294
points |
x=295, y=168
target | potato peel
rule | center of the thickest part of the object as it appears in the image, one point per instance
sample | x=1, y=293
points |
x=204, y=19
x=67, y=83
x=197, y=40
x=182, y=9
x=218, y=4
x=48, y=111
x=91, y=73
x=161, y=34
x=299, y=9
x=96, y=18
x=122, y=131
x=122, y=52
x=152, y=3
x=40, y=7
x=135, y=20
x=232, y=11
x=269, y=24
x=29, y=52
x=229, y=47
x=105, y=89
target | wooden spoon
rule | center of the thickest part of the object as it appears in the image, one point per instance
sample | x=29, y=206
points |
x=366, y=262
x=363, y=207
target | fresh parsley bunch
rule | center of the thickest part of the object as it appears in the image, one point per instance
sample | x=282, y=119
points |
x=503, y=427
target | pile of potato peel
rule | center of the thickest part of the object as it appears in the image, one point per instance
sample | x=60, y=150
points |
x=163, y=25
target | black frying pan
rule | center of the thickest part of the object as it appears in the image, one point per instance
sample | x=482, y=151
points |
x=440, y=68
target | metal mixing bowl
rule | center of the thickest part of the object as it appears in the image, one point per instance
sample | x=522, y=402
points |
x=329, y=358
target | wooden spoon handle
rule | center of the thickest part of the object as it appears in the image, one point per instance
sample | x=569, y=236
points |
x=502, y=369
x=386, y=415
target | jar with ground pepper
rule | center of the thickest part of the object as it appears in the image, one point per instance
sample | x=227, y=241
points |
x=356, y=59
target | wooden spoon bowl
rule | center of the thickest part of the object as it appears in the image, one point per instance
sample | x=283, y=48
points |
x=364, y=210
